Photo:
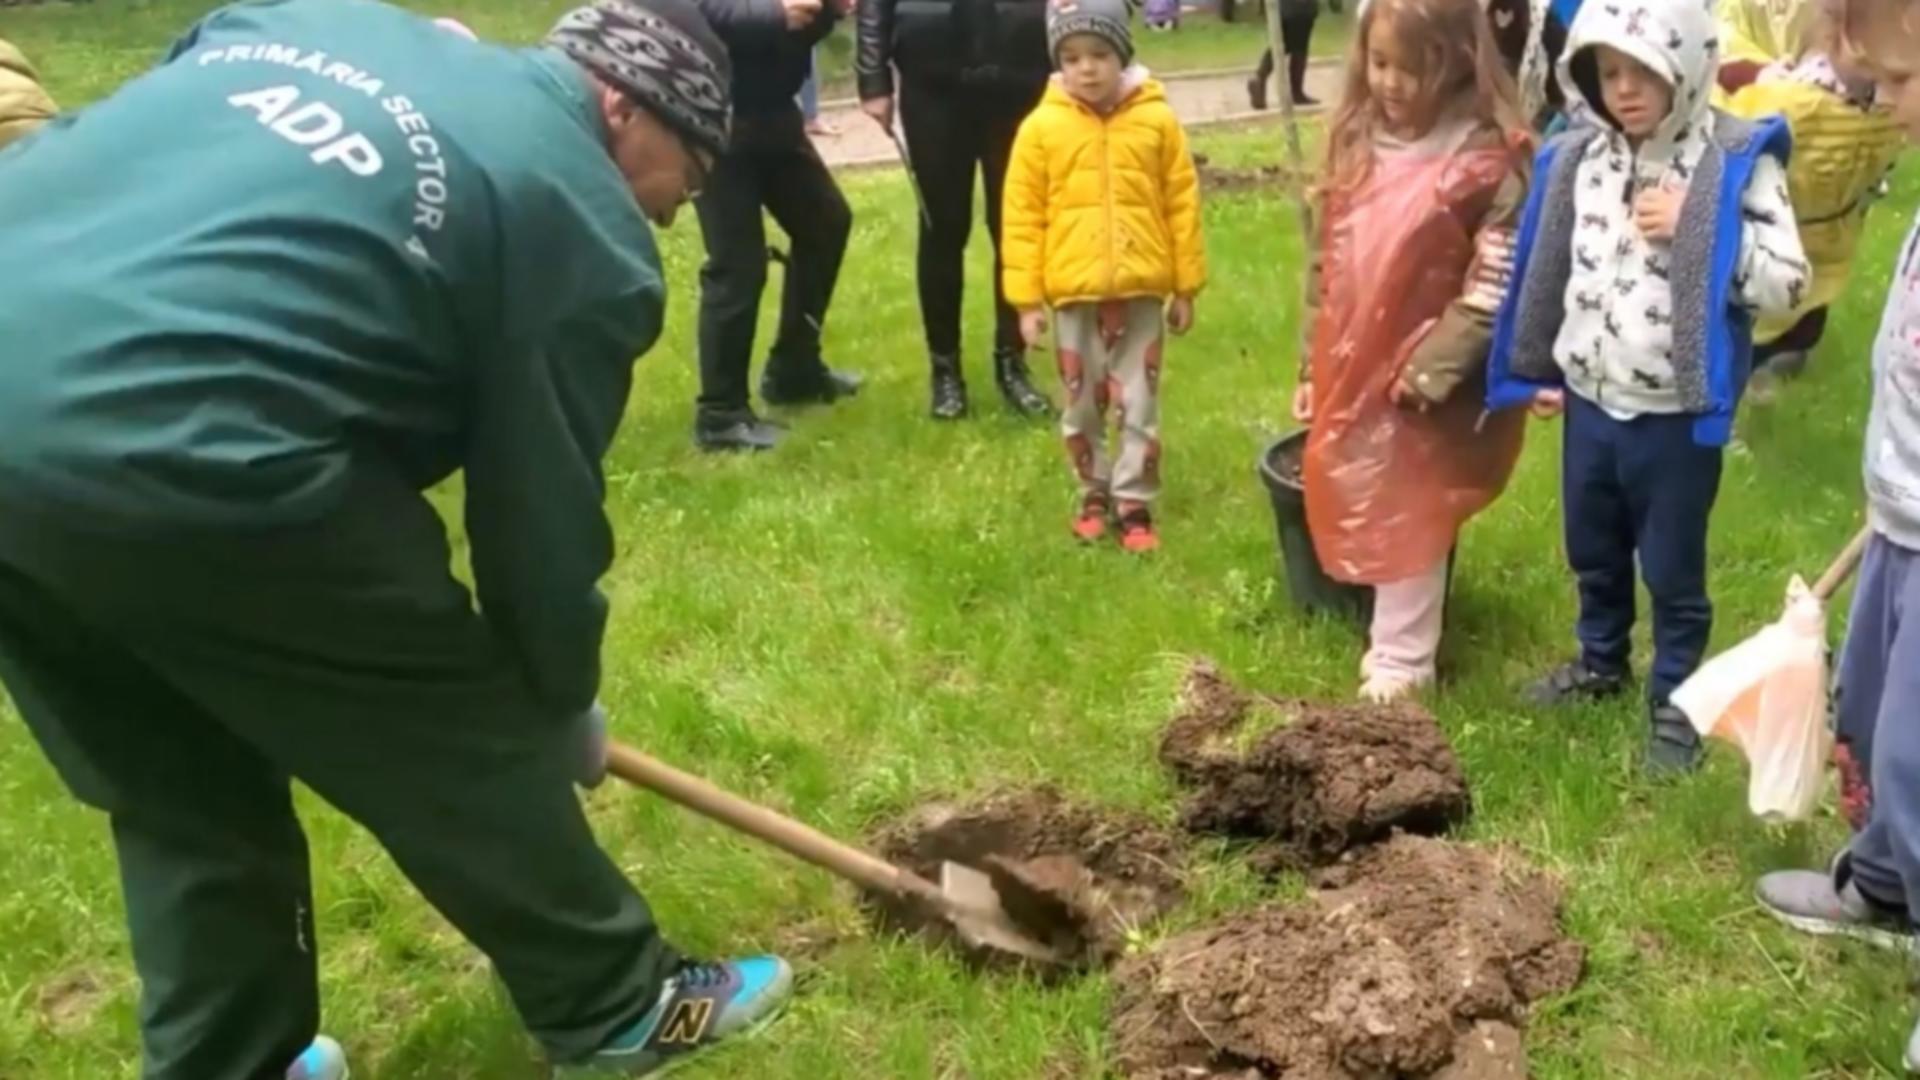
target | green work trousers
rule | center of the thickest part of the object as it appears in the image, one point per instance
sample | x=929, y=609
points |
x=180, y=682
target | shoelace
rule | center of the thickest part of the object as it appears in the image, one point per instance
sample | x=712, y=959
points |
x=701, y=976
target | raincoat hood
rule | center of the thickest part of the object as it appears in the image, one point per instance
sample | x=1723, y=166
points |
x=1678, y=39
x=1762, y=31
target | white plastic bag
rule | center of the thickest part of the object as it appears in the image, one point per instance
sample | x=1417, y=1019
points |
x=1768, y=696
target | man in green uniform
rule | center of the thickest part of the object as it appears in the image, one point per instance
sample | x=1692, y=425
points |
x=323, y=257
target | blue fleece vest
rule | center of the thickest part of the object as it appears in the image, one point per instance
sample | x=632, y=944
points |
x=1713, y=332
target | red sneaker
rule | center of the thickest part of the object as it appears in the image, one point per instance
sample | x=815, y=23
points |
x=1091, y=523
x=1137, y=534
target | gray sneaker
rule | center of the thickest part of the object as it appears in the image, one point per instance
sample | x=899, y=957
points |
x=1673, y=746
x=1808, y=901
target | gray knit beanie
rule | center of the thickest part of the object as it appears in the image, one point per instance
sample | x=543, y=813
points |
x=1108, y=19
x=660, y=53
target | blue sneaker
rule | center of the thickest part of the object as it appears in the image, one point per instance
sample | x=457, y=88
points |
x=324, y=1060
x=700, y=1005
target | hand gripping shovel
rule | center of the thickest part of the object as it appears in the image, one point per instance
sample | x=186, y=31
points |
x=965, y=898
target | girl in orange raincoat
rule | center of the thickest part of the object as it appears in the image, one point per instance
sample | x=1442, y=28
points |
x=1425, y=178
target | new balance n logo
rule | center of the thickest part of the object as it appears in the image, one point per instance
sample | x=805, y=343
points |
x=687, y=1022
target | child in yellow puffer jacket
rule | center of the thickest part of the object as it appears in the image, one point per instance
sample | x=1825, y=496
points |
x=1102, y=224
x=1843, y=146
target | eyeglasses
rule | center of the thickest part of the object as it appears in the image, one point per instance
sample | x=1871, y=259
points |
x=699, y=168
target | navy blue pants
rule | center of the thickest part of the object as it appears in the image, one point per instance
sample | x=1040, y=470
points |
x=1639, y=487
x=1880, y=721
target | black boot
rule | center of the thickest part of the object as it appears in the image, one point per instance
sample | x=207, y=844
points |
x=823, y=386
x=1575, y=681
x=1297, y=78
x=949, y=388
x=1016, y=384
x=1257, y=92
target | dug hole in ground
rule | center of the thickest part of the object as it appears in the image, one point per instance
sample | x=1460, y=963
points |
x=1411, y=955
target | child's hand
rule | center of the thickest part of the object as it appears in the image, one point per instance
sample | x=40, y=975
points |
x=1303, y=403
x=1033, y=326
x=1548, y=404
x=1492, y=271
x=800, y=13
x=1657, y=212
x=1406, y=397
x=1180, y=315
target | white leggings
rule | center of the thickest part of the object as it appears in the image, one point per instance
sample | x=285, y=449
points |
x=1407, y=618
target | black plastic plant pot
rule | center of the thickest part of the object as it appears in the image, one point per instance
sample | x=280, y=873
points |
x=1312, y=590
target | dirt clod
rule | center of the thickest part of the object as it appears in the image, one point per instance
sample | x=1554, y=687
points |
x=1082, y=879
x=1320, y=780
x=1414, y=958
x=1217, y=178
x=68, y=1002
x=1491, y=1051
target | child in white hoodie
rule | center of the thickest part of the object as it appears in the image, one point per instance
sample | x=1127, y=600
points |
x=1657, y=227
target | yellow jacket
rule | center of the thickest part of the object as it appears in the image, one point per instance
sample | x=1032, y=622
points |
x=1101, y=207
x=23, y=105
x=1841, y=152
x=1762, y=31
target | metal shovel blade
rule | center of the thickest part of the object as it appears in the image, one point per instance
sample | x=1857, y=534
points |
x=965, y=899
x=975, y=909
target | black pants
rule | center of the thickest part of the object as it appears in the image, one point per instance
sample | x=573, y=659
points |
x=771, y=164
x=182, y=685
x=1296, y=37
x=952, y=132
x=1639, y=487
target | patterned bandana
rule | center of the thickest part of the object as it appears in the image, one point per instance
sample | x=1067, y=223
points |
x=660, y=53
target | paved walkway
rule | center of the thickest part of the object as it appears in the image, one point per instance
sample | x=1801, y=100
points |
x=1202, y=97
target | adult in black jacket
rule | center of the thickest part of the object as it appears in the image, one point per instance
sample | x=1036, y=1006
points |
x=969, y=72
x=1296, y=40
x=769, y=163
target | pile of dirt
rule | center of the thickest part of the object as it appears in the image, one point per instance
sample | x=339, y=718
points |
x=1081, y=878
x=1414, y=958
x=1317, y=780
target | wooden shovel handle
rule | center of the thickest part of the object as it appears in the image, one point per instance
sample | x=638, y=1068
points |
x=763, y=824
x=1842, y=567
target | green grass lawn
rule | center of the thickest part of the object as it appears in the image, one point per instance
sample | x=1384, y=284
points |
x=886, y=610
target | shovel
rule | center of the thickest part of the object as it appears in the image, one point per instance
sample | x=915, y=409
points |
x=906, y=162
x=965, y=899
